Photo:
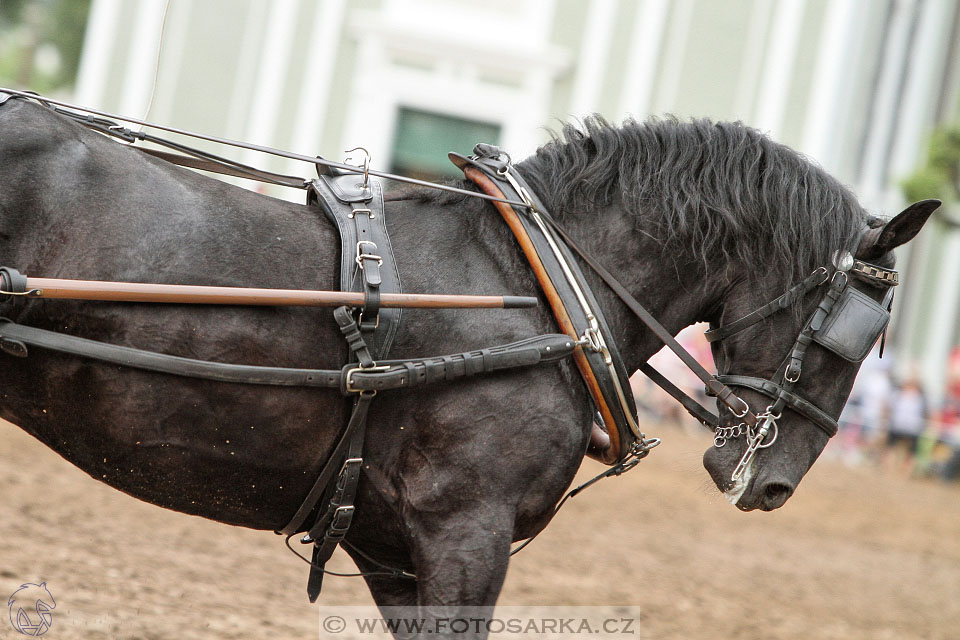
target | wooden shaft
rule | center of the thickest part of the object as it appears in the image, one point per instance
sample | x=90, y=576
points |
x=54, y=288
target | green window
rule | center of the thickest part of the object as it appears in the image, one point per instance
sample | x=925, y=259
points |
x=423, y=139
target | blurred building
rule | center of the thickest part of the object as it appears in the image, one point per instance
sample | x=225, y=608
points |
x=855, y=84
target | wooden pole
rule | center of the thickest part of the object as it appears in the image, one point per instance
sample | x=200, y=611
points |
x=53, y=288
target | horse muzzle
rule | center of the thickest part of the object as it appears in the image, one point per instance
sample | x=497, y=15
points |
x=758, y=487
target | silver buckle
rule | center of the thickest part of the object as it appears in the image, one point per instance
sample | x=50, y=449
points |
x=348, y=383
x=361, y=256
x=349, y=461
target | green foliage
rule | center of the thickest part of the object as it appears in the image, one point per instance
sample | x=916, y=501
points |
x=940, y=176
x=40, y=42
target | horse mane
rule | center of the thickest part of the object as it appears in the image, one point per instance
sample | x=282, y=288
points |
x=723, y=191
x=718, y=192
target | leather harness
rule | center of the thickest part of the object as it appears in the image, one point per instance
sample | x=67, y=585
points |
x=368, y=266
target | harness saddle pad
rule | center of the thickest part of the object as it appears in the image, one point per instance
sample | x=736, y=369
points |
x=367, y=263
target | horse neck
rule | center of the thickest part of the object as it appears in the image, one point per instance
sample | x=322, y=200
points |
x=674, y=288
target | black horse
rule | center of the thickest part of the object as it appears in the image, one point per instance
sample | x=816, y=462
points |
x=702, y=221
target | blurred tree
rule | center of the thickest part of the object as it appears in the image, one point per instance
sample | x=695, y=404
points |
x=939, y=177
x=40, y=42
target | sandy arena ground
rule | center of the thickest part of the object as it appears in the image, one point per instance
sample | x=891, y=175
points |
x=854, y=554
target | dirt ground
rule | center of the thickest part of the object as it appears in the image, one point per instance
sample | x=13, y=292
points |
x=855, y=554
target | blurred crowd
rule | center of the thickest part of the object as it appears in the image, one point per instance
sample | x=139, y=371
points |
x=888, y=421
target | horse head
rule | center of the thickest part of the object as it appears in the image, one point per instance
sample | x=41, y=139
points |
x=796, y=370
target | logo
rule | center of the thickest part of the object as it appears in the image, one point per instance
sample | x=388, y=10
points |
x=30, y=609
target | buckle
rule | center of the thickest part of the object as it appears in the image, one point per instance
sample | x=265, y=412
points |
x=361, y=255
x=369, y=213
x=348, y=381
x=349, y=461
x=337, y=527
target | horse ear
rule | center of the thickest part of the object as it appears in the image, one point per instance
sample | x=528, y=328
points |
x=900, y=230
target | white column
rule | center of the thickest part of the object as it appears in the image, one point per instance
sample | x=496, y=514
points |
x=643, y=58
x=95, y=58
x=272, y=71
x=142, y=58
x=172, y=47
x=751, y=64
x=251, y=44
x=324, y=42
x=594, y=53
x=829, y=90
x=674, y=55
x=894, y=52
x=778, y=70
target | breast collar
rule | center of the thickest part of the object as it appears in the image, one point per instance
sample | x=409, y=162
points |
x=570, y=298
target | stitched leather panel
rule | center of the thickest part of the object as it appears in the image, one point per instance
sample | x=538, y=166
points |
x=623, y=437
x=853, y=326
x=332, y=194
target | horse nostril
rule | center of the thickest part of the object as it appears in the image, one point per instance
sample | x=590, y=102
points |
x=775, y=494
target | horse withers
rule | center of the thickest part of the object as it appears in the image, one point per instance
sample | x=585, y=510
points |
x=701, y=221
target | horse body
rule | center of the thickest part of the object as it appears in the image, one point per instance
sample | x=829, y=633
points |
x=454, y=472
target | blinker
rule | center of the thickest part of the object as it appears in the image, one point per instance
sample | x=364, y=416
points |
x=855, y=324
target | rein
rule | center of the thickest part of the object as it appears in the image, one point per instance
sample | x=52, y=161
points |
x=210, y=162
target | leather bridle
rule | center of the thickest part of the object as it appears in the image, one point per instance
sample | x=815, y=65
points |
x=838, y=307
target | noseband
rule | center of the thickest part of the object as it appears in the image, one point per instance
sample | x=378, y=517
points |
x=846, y=321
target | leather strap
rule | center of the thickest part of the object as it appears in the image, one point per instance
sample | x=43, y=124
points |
x=352, y=378
x=772, y=390
x=554, y=281
x=357, y=420
x=694, y=408
x=788, y=299
x=367, y=261
x=164, y=363
x=330, y=529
